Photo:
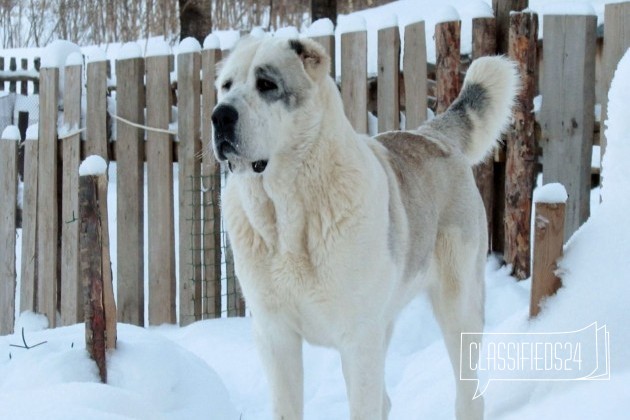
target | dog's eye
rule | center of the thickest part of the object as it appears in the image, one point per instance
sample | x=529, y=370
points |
x=265, y=85
x=227, y=85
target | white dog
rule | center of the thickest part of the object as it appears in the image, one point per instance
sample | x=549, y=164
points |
x=334, y=232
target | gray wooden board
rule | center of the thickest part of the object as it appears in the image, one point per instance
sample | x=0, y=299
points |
x=354, y=78
x=8, y=204
x=415, y=72
x=388, y=101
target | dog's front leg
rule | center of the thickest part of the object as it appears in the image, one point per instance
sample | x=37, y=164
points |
x=280, y=349
x=363, y=363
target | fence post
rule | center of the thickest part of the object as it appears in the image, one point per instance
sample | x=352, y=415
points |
x=47, y=211
x=485, y=43
x=415, y=75
x=388, y=93
x=28, y=269
x=160, y=192
x=354, y=78
x=549, y=237
x=100, y=309
x=502, y=9
x=96, y=140
x=520, y=163
x=130, y=146
x=616, y=42
x=188, y=126
x=567, y=118
x=328, y=42
x=71, y=296
x=211, y=175
x=8, y=212
x=447, y=61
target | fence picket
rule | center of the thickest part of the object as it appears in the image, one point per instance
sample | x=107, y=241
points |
x=28, y=269
x=96, y=140
x=447, y=61
x=354, y=78
x=388, y=101
x=8, y=208
x=415, y=75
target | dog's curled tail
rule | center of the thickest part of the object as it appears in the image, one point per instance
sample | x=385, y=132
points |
x=475, y=120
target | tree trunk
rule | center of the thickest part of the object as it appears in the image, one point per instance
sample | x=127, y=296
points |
x=195, y=19
x=324, y=9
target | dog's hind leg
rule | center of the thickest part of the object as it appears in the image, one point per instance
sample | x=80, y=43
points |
x=280, y=349
x=457, y=298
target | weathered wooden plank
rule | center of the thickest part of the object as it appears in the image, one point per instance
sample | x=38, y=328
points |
x=130, y=142
x=188, y=125
x=28, y=269
x=71, y=305
x=447, y=61
x=388, y=101
x=211, y=176
x=415, y=72
x=566, y=115
x=354, y=78
x=8, y=209
x=485, y=43
x=96, y=141
x=521, y=154
x=328, y=42
x=502, y=9
x=160, y=193
x=109, y=303
x=616, y=42
x=548, y=241
x=47, y=197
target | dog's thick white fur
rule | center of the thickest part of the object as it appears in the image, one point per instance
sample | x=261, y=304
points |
x=334, y=232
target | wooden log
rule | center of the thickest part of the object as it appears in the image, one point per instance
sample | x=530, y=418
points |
x=109, y=303
x=328, y=42
x=71, y=305
x=484, y=43
x=96, y=142
x=211, y=176
x=47, y=197
x=521, y=153
x=8, y=213
x=90, y=243
x=354, y=78
x=447, y=61
x=616, y=43
x=502, y=9
x=566, y=115
x=189, y=89
x=28, y=269
x=160, y=194
x=548, y=240
x=388, y=101
x=130, y=102
x=415, y=75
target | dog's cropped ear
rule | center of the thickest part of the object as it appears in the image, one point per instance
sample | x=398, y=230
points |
x=314, y=58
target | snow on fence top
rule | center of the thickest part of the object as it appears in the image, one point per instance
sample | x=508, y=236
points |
x=11, y=132
x=56, y=53
x=157, y=47
x=350, y=23
x=551, y=193
x=321, y=27
x=189, y=45
x=74, y=59
x=446, y=14
x=287, y=32
x=93, y=165
x=129, y=50
x=32, y=132
x=211, y=42
x=95, y=55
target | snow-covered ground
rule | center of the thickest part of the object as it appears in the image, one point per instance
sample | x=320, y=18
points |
x=210, y=369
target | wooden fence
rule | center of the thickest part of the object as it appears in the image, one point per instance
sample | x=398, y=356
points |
x=50, y=280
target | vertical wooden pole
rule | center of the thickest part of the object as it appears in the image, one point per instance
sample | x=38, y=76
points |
x=447, y=61
x=212, y=187
x=24, y=83
x=160, y=193
x=616, y=42
x=96, y=143
x=47, y=197
x=484, y=43
x=13, y=68
x=328, y=42
x=521, y=154
x=548, y=240
x=354, y=78
x=28, y=269
x=188, y=92
x=502, y=9
x=130, y=185
x=71, y=291
x=8, y=208
x=567, y=118
x=388, y=101
x=415, y=75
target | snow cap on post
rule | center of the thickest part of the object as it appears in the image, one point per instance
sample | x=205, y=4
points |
x=32, y=132
x=351, y=23
x=74, y=59
x=93, y=165
x=287, y=32
x=11, y=132
x=321, y=27
x=157, y=47
x=552, y=193
x=55, y=53
x=211, y=42
x=388, y=20
x=446, y=14
x=95, y=54
x=129, y=50
x=189, y=45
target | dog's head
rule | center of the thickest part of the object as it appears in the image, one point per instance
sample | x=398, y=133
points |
x=267, y=101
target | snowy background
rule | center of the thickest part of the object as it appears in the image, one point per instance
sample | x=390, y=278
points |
x=211, y=369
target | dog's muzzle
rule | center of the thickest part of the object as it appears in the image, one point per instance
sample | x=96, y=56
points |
x=224, y=119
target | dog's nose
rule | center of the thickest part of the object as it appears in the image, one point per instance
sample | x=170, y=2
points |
x=224, y=118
